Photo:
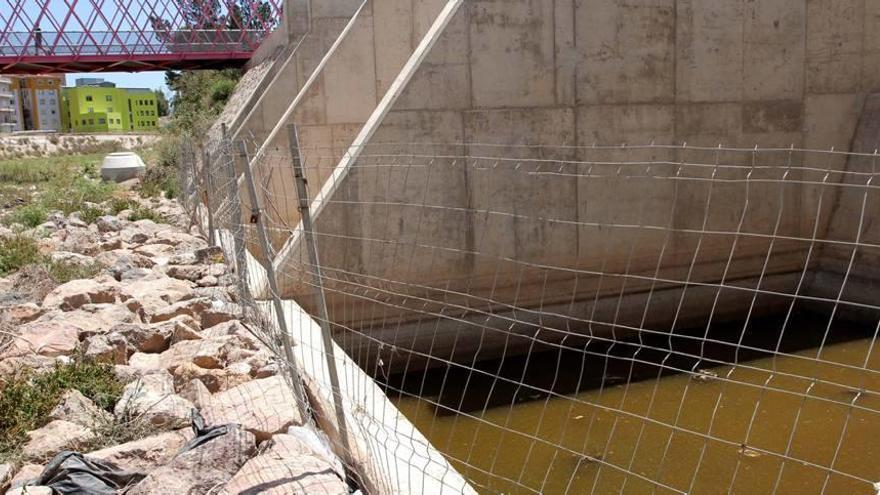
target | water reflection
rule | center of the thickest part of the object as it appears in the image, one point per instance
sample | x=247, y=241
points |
x=550, y=423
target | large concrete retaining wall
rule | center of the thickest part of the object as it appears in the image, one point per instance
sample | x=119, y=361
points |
x=775, y=73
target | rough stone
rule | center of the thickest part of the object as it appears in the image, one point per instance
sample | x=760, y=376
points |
x=214, y=316
x=82, y=241
x=145, y=362
x=152, y=398
x=111, y=348
x=214, y=380
x=207, y=281
x=155, y=292
x=196, y=392
x=23, y=313
x=145, y=454
x=187, y=272
x=182, y=332
x=45, y=339
x=77, y=408
x=27, y=473
x=209, y=254
x=93, y=319
x=146, y=338
x=126, y=373
x=191, y=307
x=30, y=490
x=12, y=365
x=71, y=258
x=290, y=465
x=207, y=353
x=56, y=436
x=108, y=223
x=201, y=469
x=264, y=407
x=76, y=293
x=5, y=473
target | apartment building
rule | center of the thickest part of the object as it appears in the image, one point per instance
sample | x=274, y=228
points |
x=10, y=111
x=94, y=105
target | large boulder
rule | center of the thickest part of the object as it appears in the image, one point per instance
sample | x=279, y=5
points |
x=111, y=348
x=108, y=223
x=93, y=318
x=264, y=407
x=202, y=468
x=206, y=353
x=152, y=398
x=145, y=454
x=56, y=436
x=291, y=464
x=191, y=307
x=27, y=473
x=22, y=313
x=76, y=408
x=82, y=241
x=214, y=380
x=49, y=339
x=76, y=293
x=155, y=292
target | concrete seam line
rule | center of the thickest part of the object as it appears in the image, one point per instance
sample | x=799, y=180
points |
x=308, y=84
x=372, y=124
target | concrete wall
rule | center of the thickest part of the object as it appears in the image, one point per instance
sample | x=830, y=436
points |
x=773, y=73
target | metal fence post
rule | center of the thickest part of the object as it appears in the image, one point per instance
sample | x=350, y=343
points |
x=257, y=217
x=318, y=287
x=206, y=191
x=235, y=221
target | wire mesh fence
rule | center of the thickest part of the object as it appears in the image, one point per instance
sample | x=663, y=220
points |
x=635, y=319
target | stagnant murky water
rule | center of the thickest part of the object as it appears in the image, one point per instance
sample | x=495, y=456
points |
x=750, y=430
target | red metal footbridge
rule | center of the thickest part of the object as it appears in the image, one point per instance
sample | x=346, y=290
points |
x=43, y=36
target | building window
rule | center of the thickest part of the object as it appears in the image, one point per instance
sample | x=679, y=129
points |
x=91, y=110
x=109, y=98
x=109, y=109
x=91, y=121
x=102, y=121
x=88, y=97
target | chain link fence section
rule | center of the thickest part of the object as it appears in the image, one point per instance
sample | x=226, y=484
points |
x=598, y=319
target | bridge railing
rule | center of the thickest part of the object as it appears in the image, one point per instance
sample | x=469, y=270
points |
x=80, y=43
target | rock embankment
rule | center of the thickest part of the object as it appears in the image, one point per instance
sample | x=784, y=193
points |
x=162, y=312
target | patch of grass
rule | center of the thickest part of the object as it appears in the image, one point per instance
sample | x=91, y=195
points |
x=30, y=215
x=141, y=213
x=27, y=398
x=89, y=214
x=63, y=272
x=118, y=205
x=17, y=251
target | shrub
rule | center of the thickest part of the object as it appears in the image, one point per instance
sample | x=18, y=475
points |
x=89, y=213
x=27, y=397
x=17, y=251
x=30, y=215
x=63, y=272
x=118, y=205
x=141, y=213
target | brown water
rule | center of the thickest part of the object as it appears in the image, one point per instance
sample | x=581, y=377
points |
x=751, y=430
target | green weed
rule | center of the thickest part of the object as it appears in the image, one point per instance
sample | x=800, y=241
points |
x=17, y=251
x=27, y=398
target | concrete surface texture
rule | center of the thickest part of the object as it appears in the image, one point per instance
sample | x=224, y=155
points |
x=502, y=74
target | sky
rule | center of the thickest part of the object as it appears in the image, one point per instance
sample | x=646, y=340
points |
x=151, y=80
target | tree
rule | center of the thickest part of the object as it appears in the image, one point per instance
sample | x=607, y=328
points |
x=251, y=16
x=161, y=102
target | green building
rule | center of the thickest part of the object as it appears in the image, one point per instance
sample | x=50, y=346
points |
x=97, y=106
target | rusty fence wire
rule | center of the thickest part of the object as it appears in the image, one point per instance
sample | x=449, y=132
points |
x=637, y=319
